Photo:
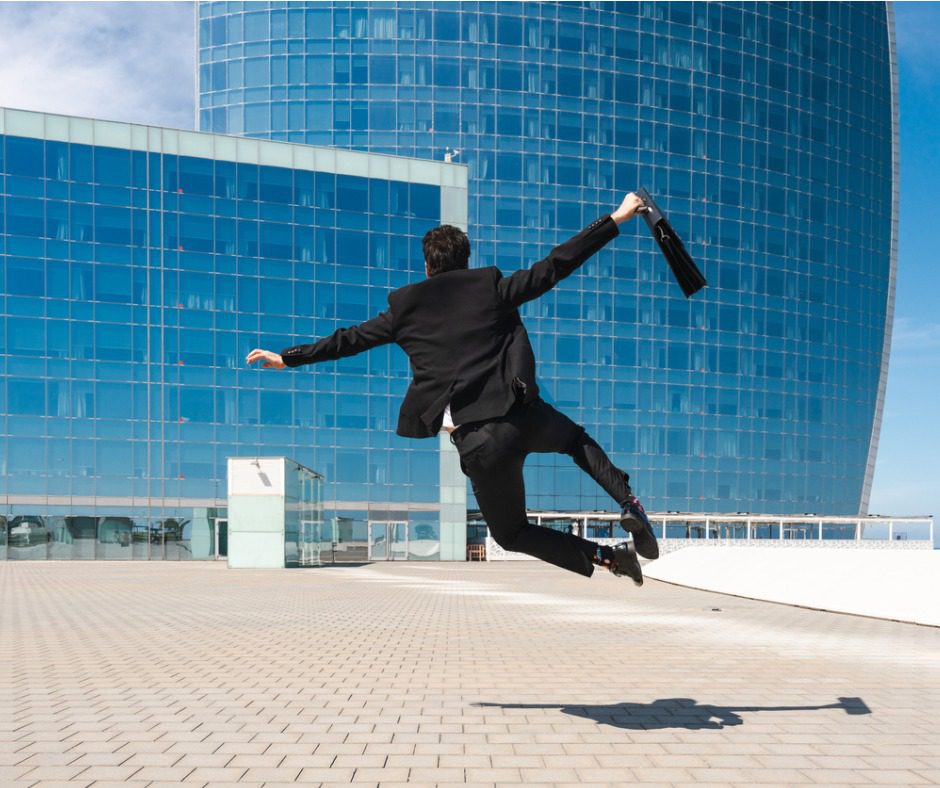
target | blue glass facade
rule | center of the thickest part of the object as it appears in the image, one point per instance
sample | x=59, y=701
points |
x=764, y=130
x=140, y=266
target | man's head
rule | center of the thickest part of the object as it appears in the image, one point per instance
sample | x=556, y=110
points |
x=446, y=248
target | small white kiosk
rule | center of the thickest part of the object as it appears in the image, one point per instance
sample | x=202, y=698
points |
x=275, y=515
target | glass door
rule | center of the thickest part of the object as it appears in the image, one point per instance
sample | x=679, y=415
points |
x=310, y=543
x=388, y=541
x=221, y=539
x=398, y=541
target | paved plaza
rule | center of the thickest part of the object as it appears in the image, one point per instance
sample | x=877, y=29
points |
x=446, y=674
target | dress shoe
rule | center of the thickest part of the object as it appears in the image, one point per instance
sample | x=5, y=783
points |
x=625, y=562
x=633, y=519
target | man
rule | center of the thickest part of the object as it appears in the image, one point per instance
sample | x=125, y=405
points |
x=474, y=375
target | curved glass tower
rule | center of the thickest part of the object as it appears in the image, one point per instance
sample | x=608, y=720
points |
x=767, y=132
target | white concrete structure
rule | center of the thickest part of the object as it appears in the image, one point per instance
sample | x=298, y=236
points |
x=898, y=585
x=273, y=512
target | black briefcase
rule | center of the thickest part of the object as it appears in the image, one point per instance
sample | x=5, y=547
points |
x=685, y=271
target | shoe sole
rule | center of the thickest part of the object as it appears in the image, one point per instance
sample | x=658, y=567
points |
x=646, y=534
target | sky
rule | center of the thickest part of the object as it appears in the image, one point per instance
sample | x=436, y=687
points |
x=907, y=472
x=135, y=62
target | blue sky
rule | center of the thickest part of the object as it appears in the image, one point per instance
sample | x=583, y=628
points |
x=135, y=62
x=907, y=474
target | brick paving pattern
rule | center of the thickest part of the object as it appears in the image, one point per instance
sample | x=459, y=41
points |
x=446, y=674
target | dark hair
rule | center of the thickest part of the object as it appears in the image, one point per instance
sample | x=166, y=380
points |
x=446, y=248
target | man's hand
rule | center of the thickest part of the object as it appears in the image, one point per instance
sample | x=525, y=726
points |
x=268, y=359
x=631, y=203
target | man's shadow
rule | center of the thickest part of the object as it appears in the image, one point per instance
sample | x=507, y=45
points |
x=676, y=712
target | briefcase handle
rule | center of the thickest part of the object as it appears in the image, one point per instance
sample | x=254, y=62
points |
x=649, y=207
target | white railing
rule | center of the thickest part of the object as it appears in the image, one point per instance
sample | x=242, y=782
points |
x=677, y=529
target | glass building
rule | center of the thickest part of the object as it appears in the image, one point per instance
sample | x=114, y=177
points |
x=139, y=266
x=766, y=131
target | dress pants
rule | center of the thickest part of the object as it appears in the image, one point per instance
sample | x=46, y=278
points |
x=492, y=454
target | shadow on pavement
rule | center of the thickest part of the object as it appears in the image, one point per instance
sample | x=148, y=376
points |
x=676, y=712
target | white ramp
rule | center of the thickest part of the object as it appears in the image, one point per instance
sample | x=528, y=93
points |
x=901, y=585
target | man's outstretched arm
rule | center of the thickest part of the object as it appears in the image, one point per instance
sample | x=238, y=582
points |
x=567, y=257
x=341, y=343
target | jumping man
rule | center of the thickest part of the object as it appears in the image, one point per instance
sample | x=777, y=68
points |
x=474, y=376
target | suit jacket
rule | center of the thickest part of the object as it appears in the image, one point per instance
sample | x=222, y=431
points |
x=463, y=335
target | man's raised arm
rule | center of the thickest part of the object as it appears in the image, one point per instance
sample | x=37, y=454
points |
x=341, y=343
x=567, y=257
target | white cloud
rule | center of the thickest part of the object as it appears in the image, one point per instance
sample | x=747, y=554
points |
x=914, y=363
x=910, y=335
x=132, y=62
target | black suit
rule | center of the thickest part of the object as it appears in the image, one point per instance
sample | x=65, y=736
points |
x=467, y=346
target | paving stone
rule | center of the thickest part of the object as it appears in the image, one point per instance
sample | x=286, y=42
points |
x=445, y=674
x=216, y=774
x=156, y=759
x=44, y=759
x=108, y=773
x=436, y=776
x=320, y=775
x=117, y=784
x=173, y=784
x=46, y=784
x=896, y=777
x=257, y=761
x=99, y=758
x=227, y=784
x=52, y=773
x=266, y=775
x=163, y=773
